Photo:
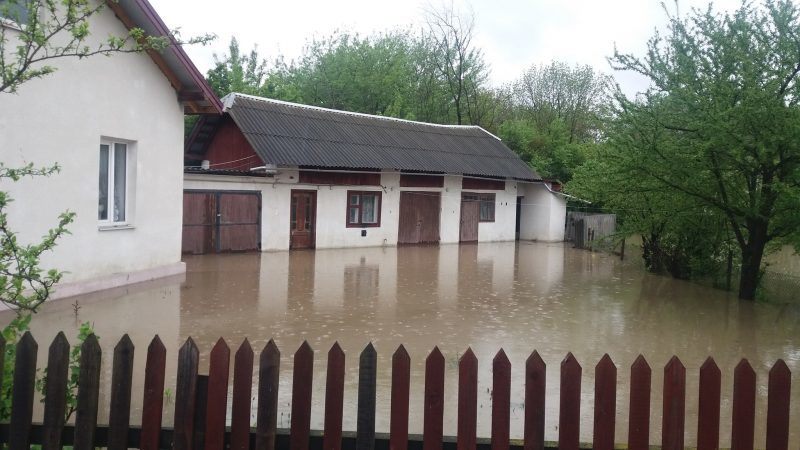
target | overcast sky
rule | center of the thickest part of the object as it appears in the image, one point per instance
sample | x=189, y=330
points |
x=513, y=34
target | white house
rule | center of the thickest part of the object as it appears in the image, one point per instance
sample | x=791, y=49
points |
x=277, y=175
x=115, y=126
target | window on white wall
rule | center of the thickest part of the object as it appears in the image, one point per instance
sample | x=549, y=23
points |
x=113, y=202
x=14, y=12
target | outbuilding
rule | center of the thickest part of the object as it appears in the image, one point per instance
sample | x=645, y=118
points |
x=272, y=175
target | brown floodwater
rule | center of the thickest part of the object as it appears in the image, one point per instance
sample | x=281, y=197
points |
x=518, y=296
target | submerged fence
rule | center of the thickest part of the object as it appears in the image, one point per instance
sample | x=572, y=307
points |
x=201, y=402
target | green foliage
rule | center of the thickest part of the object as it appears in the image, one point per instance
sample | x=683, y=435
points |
x=47, y=30
x=23, y=284
x=11, y=333
x=717, y=136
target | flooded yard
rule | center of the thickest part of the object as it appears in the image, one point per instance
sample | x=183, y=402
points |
x=518, y=296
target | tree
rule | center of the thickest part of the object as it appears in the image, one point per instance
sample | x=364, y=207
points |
x=720, y=125
x=236, y=73
x=458, y=63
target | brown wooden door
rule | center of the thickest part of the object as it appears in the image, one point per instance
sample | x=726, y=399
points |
x=419, y=218
x=221, y=221
x=303, y=211
x=239, y=223
x=199, y=221
x=470, y=209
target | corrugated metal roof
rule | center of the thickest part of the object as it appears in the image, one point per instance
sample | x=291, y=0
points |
x=291, y=134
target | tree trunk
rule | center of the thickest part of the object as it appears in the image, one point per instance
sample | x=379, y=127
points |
x=752, y=254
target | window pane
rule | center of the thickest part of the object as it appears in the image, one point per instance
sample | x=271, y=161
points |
x=102, y=205
x=354, y=199
x=487, y=209
x=16, y=11
x=120, y=171
x=369, y=210
x=353, y=216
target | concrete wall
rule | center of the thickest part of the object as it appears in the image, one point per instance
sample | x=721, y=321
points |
x=542, y=214
x=331, y=231
x=62, y=118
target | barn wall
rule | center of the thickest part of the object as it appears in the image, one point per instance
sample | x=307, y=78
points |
x=229, y=149
x=331, y=231
x=543, y=214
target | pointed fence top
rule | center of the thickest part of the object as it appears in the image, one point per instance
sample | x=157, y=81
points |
x=369, y=349
x=744, y=366
x=674, y=363
x=605, y=362
x=435, y=354
x=640, y=363
x=90, y=342
x=468, y=356
x=305, y=347
x=125, y=343
x=710, y=364
x=27, y=340
x=244, y=347
x=156, y=344
x=401, y=352
x=59, y=341
x=220, y=344
x=501, y=357
x=570, y=360
x=270, y=347
x=535, y=359
x=188, y=345
x=780, y=367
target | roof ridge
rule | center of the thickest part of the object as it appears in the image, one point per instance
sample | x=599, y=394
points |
x=230, y=99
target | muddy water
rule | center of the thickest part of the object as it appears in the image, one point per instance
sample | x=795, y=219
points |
x=520, y=297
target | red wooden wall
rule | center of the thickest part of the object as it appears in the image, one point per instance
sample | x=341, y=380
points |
x=229, y=149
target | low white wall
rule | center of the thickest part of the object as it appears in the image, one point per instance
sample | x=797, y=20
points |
x=331, y=231
x=542, y=214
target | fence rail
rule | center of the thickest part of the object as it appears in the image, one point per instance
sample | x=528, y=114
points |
x=201, y=413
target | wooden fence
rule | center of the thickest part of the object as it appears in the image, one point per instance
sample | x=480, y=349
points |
x=201, y=402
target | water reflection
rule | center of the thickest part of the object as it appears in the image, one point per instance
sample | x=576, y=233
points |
x=520, y=297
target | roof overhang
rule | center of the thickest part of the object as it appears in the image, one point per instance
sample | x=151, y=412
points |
x=191, y=87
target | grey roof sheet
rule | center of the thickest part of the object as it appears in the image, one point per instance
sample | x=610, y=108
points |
x=297, y=135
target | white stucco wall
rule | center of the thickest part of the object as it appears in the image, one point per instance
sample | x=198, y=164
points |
x=61, y=119
x=542, y=214
x=331, y=231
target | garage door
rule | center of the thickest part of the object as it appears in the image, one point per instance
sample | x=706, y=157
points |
x=221, y=221
x=419, y=217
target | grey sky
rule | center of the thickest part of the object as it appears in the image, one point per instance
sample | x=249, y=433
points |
x=514, y=34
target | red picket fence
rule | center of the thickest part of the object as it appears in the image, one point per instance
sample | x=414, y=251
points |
x=201, y=410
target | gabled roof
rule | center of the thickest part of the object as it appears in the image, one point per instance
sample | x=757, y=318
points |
x=192, y=89
x=291, y=134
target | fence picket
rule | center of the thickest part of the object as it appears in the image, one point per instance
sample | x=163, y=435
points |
x=334, y=398
x=153, y=400
x=780, y=389
x=217, y=395
x=467, y=401
x=241, y=402
x=55, y=392
x=121, y=383
x=605, y=403
x=302, y=382
x=570, y=405
x=744, y=406
x=2, y=362
x=22, y=393
x=501, y=401
x=365, y=417
x=708, y=408
x=185, y=395
x=88, y=394
x=433, y=419
x=674, y=405
x=401, y=384
x=639, y=409
x=535, y=383
x=269, y=365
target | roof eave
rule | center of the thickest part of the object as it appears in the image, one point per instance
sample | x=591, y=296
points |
x=196, y=95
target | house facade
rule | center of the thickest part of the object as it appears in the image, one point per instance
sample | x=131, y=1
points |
x=273, y=175
x=115, y=126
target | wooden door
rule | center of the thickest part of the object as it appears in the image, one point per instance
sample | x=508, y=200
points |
x=199, y=221
x=419, y=217
x=470, y=210
x=303, y=211
x=221, y=221
x=239, y=224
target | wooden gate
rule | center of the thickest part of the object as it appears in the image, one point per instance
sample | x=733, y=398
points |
x=470, y=210
x=221, y=221
x=419, y=217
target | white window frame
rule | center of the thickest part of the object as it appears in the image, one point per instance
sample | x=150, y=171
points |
x=109, y=221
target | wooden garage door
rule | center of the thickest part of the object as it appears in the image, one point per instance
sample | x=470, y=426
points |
x=419, y=217
x=221, y=221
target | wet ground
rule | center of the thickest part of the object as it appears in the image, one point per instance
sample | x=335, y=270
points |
x=520, y=297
